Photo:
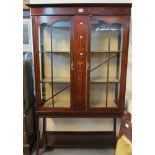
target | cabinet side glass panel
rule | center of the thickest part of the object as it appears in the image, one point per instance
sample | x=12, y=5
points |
x=105, y=58
x=54, y=41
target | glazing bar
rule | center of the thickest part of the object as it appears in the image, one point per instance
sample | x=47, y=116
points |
x=52, y=68
x=108, y=69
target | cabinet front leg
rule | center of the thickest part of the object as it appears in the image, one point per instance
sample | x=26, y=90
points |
x=44, y=135
x=38, y=135
x=114, y=129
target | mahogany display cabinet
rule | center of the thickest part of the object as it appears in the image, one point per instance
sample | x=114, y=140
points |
x=80, y=66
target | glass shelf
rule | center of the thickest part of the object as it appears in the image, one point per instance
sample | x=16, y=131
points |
x=66, y=52
x=56, y=80
x=67, y=80
x=92, y=52
x=60, y=27
x=104, y=80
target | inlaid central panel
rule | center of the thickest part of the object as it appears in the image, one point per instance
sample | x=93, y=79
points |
x=80, y=48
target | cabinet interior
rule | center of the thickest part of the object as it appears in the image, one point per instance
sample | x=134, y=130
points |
x=105, y=61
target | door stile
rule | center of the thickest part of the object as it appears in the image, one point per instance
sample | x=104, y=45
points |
x=72, y=63
x=36, y=62
x=88, y=61
x=124, y=64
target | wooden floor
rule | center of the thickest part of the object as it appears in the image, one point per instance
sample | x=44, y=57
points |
x=77, y=152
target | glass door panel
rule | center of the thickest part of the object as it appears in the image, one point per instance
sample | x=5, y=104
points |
x=98, y=68
x=99, y=38
x=61, y=36
x=98, y=95
x=54, y=42
x=105, y=58
x=112, y=97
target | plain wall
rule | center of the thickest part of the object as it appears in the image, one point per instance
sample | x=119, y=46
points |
x=79, y=1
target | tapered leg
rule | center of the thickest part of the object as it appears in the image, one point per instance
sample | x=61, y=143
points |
x=38, y=134
x=114, y=129
x=44, y=130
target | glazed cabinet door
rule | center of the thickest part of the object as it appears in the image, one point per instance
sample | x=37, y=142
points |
x=80, y=62
x=105, y=58
x=55, y=59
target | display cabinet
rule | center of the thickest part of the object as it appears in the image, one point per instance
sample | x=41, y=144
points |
x=80, y=60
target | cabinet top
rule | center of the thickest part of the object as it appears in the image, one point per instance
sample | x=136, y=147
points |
x=82, y=5
x=87, y=9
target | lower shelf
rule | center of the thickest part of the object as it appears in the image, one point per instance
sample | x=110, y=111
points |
x=73, y=139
